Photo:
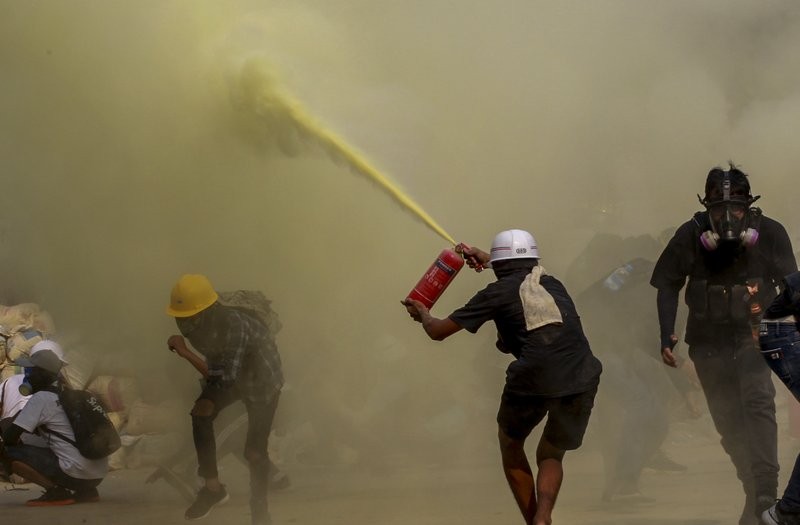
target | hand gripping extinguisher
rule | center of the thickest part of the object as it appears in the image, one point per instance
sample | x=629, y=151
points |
x=440, y=274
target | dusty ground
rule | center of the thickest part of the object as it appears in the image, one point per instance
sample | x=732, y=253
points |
x=470, y=494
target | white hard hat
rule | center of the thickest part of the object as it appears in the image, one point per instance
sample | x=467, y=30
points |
x=47, y=344
x=513, y=244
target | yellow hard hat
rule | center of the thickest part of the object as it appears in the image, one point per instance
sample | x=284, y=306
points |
x=192, y=294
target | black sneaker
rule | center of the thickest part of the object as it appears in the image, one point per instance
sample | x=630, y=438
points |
x=87, y=496
x=52, y=497
x=206, y=500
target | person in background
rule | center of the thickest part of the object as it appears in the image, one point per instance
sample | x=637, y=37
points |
x=734, y=258
x=554, y=374
x=239, y=361
x=58, y=467
x=634, y=413
x=11, y=401
x=779, y=339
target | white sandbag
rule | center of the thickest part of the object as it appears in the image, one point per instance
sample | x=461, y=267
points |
x=118, y=419
x=8, y=369
x=116, y=393
x=44, y=323
x=18, y=317
x=20, y=344
x=25, y=316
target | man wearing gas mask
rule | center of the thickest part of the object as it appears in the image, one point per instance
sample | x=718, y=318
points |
x=734, y=258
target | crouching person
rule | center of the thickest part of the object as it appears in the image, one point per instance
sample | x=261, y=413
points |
x=54, y=463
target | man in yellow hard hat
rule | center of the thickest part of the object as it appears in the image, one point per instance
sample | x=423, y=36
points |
x=237, y=356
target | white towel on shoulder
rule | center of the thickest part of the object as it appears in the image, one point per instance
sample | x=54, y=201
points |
x=539, y=306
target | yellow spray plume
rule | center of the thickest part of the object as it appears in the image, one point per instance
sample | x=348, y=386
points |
x=257, y=91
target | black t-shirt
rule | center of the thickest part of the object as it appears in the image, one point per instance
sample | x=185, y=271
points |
x=770, y=259
x=551, y=361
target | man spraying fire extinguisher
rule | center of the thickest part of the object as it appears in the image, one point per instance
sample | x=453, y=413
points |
x=554, y=374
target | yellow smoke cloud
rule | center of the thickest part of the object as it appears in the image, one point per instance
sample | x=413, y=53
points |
x=256, y=91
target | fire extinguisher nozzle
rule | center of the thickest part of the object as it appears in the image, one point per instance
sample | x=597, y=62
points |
x=472, y=261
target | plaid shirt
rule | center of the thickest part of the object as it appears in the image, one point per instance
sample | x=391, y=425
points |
x=240, y=352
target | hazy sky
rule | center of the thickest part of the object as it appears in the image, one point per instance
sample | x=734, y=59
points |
x=126, y=163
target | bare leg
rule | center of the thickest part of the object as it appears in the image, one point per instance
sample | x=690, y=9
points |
x=519, y=475
x=551, y=473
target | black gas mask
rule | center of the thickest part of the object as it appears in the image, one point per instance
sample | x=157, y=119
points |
x=728, y=203
x=36, y=379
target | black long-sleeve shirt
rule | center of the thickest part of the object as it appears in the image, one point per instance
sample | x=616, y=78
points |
x=683, y=257
x=788, y=301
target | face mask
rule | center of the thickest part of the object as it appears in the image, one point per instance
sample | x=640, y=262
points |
x=728, y=219
x=36, y=379
x=187, y=325
x=730, y=222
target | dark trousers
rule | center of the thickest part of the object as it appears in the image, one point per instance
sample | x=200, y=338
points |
x=741, y=398
x=634, y=420
x=780, y=347
x=260, y=416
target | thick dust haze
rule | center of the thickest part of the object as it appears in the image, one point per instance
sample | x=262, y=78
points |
x=127, y=163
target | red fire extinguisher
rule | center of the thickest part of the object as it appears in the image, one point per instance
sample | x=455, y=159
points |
x=441, y=273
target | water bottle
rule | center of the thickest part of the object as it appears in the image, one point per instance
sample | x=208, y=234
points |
x=617, y=279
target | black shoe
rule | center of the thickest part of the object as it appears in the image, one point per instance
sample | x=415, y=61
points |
x=206, y=500
x=52, y=497
x=87, y=496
